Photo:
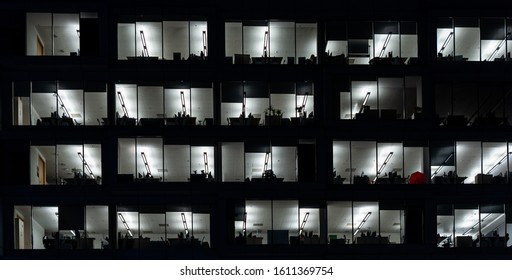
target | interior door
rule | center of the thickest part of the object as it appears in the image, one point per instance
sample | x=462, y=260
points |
x=39, y=47
x=19, y=228
x=41, y=165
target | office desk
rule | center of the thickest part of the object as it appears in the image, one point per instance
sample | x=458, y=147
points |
x=181, y=121
x=311, y=240
x=372, y=240
x=75, y=243
x=142, y=57
x=340, y=241
x=260, y=180
x=126, y=121
x=463, y=241
x=442, y=180
x=338, y=180
x=388, y=181
x=244, y=121
x=151, y=122
x=371, y=114
x=80, y=181
x=302, y=121
x=133, y=243
x=254, y=240
x=148, y=180
x=53, y=121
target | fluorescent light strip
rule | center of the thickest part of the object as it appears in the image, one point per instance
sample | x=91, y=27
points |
x=244, y=225
x=386, y=42
x=125, y=224
x=145, y=52
x=442, y=165
x=498, y=47
x=244, y=103
x=366, y=97
x=265, y=44
x=265, y=166
x=446, y=42
x=145, y=160
x=383, y=165
x=86, y=165
x=476, y=225
x=61, y=104
x=121, y=99
x=183, y=105
x=205, y=41
x=306, y=216
x=184, y=220
x=205, y=160
x=362, y=222
x=498, y=163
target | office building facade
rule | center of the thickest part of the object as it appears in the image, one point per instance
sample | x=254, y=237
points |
x=225, y=131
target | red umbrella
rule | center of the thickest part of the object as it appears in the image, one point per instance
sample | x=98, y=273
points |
x=417, y=178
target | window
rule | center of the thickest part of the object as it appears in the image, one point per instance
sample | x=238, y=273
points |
x=165, y=160
x=169, y=227
x=62, y=34
x=472, y=225
x=370, y=162
x=271, y=42
x=259, y=103
x=473, y=39
x=149, y=38
x=387, y=98
x=174, y=103
x=61, y=227
x=60, y=103
x=65, y=164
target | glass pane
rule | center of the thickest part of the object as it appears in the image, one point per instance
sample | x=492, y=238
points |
x=149, y=159
x=285, y=221
x=198, y=40
x=307, y=41
x=258, y=224
x=66, y=35
x=493, y=227
x=152, y=227
x=282, y=40
x=342, y=171
x=201, y=100
x=45, y=223
x=92, y=164
x=126, y=104
x=467, y=44
x=309, y=229
x=43, y=165
x=71, y=105
x=346, y=112
x=339, y=222
x=445, y=230
x=96, y=108
x=364, y=100
x=126, y=163
x=125, y=40
x=96, y=225
x=176, y=40
x=469, y=161
x=391, y=98
x=39, y=34
x=233, y=41
x=23, y=228
x=232, y=156
x=70, y=165
x=445, y=43
x=151, y=105
x=255, y=41
x=127, y=229
x=364, y=161
x=177, y=104
x=176, y=163
x=413, y=98
x=391, y=225
x=284, y=163
x=202, y=163
x=466, y=225
x=366, y=224
x=390, y=162
x=494, y=163
x=201, y=228
x=148, y=36
x=44, y=109
x=415, y=161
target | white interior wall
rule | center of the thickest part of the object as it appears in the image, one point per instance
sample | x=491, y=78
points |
x=232, y=156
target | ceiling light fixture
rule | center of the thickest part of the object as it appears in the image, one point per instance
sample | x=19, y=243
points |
x=498, y=47
x=383, y=165
x=303, y=225
x=183, y=105
x=125, y=224
x=184, y=221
